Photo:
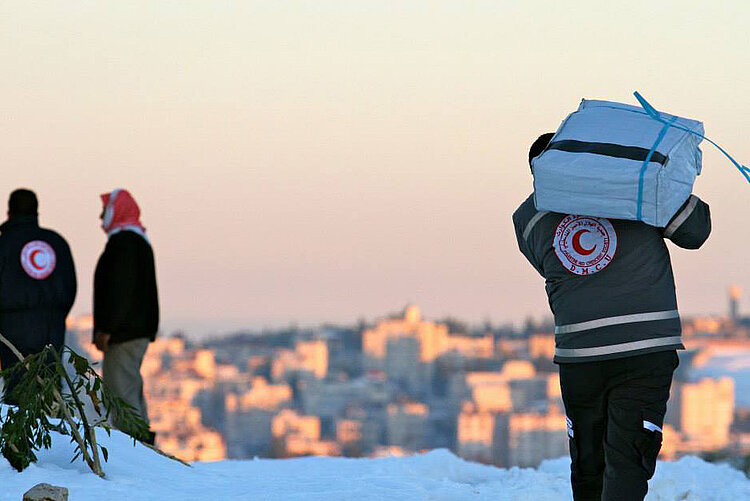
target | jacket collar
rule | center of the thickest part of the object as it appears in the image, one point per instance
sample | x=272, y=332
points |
x=130, y=227
x=19, y=221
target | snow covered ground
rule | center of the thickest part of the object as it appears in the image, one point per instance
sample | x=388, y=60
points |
x=136, y=473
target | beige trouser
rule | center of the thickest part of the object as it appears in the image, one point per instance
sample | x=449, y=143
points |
x=122, y=373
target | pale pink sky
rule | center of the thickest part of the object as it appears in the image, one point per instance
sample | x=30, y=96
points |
x=310, y=161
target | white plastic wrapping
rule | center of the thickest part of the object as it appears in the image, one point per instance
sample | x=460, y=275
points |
x=613, y=160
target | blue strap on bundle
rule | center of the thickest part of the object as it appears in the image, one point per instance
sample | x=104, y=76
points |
x=745, y=171
x=662, y=133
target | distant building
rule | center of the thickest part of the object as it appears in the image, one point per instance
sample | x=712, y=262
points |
x=703, y=412
x=406, y=425
x=469, y=346
x=475, y=434
x=359, y=432
x=309, y=358
x=534, y=437
x=249, y=415
x=512, y=348
x=199, y=363
x=331, y=399
x=530, y=394
x=511, y=439
x=261, y=395
x=406, y=348
x=180, y=432
x=711, y=327
x=554, y=391
x=404, y=367
x=349, y=432
x=170, y=394
x=542, y=346
x=388, y=451
x=299, y=435
x=515, y=387
x=490, y=391
x=735, y=293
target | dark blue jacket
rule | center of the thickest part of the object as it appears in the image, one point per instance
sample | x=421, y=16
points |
x=126, y=301
x=37, y=285
x=609, y=281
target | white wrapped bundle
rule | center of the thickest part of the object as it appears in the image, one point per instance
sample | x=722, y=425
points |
x=617, y=161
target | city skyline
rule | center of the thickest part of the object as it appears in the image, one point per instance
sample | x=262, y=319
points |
x=405, y=384
x=308, y=163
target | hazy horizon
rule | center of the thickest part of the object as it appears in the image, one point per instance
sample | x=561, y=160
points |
x=309, y=162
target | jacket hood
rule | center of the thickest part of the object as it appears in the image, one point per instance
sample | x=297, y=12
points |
x=121, y=212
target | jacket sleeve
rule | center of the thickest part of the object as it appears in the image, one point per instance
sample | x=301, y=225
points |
x=70, y=282
x=691, y=225
x=522, y=229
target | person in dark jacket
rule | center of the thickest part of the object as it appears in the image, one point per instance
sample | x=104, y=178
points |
x=126, y=305
x=37, y=282
x=617, y=328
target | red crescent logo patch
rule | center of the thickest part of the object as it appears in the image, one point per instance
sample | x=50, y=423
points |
x=577, y=244
x=585, y=245
x=38, y=259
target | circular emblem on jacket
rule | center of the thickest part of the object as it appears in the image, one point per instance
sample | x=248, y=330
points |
x=585, y=245
x=38, y=259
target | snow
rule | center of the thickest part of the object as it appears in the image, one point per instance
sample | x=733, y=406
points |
x=135, y=472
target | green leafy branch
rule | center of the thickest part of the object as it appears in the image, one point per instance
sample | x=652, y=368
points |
x=38, y=392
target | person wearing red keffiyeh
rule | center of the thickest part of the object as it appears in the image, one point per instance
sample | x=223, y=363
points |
x=121, y=212
x=126, y=305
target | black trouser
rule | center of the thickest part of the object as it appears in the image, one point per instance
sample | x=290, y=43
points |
x=615, y=411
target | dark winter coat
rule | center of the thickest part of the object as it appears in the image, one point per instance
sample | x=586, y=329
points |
x=126, y=304
x=37, y=285
x=609, y=282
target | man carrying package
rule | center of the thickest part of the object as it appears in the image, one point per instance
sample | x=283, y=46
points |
x=611, y=290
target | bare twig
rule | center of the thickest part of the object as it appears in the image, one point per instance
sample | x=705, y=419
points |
x=90, y=432
x=166, y=454
x=12, y=347
x=95, y=467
